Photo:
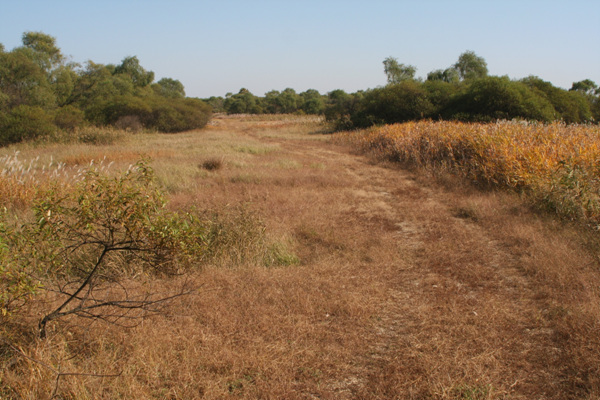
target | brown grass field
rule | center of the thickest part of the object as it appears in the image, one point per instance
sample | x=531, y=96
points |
x=395, y=284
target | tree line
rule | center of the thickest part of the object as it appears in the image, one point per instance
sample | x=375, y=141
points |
x=42, y=92
x=464, y=91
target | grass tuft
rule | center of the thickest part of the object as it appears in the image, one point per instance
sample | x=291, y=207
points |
x=212, y=164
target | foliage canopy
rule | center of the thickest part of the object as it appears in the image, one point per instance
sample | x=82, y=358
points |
x=39, y=88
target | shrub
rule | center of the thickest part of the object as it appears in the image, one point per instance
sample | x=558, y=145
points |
x=86, y=241
x=400, y=102
x=126, y=106
x=493, y=98
x=69, y=118
x=212, y=164
x=25, y=123
x=177, y=115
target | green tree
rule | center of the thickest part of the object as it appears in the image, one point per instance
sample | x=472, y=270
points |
x=494, y=98
x=63, y=81
x=401, y=102
x=571, y=106
x=449, y=75
x=170, y=88
x=131, y=67
x=396, y=72
x=471, y=66
x=25, y=123
x=45, y=51
x=243, y=102
x=586, y=86
x=312, y=102
x=340, y=105
x=289, y=101
x=439, y=94
x=24, y=81
x=216, y=102
x=271, y=101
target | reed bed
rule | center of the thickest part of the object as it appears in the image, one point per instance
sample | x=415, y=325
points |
x=557, y=165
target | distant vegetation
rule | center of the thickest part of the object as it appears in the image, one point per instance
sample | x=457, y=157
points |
x=461, y=92
x=42, y=94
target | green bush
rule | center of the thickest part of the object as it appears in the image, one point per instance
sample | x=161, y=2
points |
x=17, y=284
x=69, y=118
x=177, y=115
x=570, y=106
x=126, y=106
x=87, y=240
x=25, y=123
x=400, y=102
x=493, y=98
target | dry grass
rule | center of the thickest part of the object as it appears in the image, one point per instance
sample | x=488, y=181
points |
x=555, y=164
x=396, y=285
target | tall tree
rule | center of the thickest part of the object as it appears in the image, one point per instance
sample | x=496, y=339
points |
x=449, y=75
x=45, y=51
x=397, y=72
x=171, y=88
x=587, y=86
x=313, y=102
x=131, y=66
x=471, y=66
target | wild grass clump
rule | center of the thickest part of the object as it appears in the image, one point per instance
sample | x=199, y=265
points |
x=21, y=180
x=556, y=165
x=212, y=164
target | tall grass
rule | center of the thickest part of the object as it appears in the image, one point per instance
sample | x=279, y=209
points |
x=21, y=179
x=557, y=165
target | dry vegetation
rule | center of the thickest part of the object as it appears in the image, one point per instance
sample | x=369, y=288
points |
x=555, y=164
x=372, y=282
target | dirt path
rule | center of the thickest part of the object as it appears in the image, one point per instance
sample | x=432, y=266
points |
x=461, y=312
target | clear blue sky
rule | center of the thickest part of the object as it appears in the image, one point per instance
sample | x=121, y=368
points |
x=219, y=46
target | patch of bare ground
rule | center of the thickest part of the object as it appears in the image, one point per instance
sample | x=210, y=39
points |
x=407, y=287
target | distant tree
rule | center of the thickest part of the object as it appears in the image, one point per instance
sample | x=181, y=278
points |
x=271, y=101
x=289, y=101
x=493, y=98
x=449, y=75
x=396, y=72
x=46, y=53
x=25, y=123
x=63, y=81
x=216, y=102
x=96, y=88
x=571, y=106
x=24, y=80
x=400, y=102
x=312, y=102
x=439, y=94
x=340, y=105
x=586, y=86
x=131, y=67
x=170, y=88
x=243, y=102
x=471, y=66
